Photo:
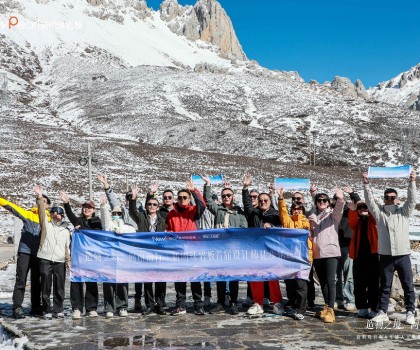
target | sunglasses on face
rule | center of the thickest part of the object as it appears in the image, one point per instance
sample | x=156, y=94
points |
x=322, y=200
x=227, y=195
x=117, y=213
x=57, y=210
x=152, y=204
x=297, y=199
x=167, y=197
x=263, y=201
x=390, y=198
x=362, y=207
x=182, y=198
x=254, y=197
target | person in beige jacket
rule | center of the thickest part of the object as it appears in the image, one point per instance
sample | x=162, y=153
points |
x=53, y=255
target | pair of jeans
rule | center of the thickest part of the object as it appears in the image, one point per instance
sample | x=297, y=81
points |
x=115, y=296
x=326, y=270
x=345, y=282
x=402, y=264
x=52, y=273
x=26, y=262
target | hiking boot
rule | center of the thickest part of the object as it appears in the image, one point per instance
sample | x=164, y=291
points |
x=137, y=305
x=199, y=311
x=76, y=314
x=278, y=309
x=18, y=313
x=178, y=311
x=380, y=317
x=123, y=313
x=233, y=309
x=159, y=310
x=218, y=309
x=321, y=314
x=255, y=309
x=329, y=316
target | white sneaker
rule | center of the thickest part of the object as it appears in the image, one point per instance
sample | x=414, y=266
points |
x=298, y=317
x=207, y=300
x=109, y=314
x=363, y=313
x=123, y=313
x=372, y=314
x=350, y=307
x=410, y=318
x=60, y=315
x=381, y=317
x=76, y=314
x=278, y=309
x=93, y=313
x=255, y=309
x=48, y=316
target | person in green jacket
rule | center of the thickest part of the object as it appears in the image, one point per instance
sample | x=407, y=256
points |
x=227, y=215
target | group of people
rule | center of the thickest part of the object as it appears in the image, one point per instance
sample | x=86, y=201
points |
x=354, y=248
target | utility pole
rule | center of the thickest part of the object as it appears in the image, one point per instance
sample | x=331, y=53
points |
x=126, y=182
x=312, y=147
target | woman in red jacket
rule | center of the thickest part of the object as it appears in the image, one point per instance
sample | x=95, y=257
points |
x=364, y=252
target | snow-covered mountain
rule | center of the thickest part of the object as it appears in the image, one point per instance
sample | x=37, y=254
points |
x=164, y=94
x=403, y=90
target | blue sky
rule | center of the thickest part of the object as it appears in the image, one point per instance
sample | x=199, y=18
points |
x=370, y=40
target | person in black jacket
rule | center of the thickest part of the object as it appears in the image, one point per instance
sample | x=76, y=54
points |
x=87, y=220
x=264, y=215
x=149, y=221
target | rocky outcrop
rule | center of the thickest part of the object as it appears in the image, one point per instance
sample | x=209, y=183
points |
x=345, y=86
x=115, y=9
x=206, y=20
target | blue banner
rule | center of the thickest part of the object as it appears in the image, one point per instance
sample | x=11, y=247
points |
x=253, y=254
x=389, y=172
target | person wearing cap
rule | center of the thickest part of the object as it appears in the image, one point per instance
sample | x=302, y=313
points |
x=88, y=220
x=226, y=215
x=183, y=218
x=54, y=256
x=150, y=221
x=324, y=222
x=364, y=252
x=264, y=215
x=27, y=257
x=296, y=288
x=394, y=245
x=115, y=294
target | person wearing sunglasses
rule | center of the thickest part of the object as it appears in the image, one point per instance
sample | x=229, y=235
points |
x=27, y=257
x=262, y=216
x=183, y=218
x=168, y=199
x=296, y=288
x=364, y=252
x=150, y=221
x=324, y=223
x=53, y=255
x=88, y=220
x=226, y=215
x=115, y=294
x=394, y=245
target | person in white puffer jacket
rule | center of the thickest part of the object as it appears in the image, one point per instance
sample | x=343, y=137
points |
x=53, y=255
x=115, y=294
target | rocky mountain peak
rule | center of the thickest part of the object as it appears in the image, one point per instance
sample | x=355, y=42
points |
x=207, y=21
x=345, y=86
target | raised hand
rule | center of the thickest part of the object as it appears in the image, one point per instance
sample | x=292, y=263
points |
x=247, y=180
x=339, y=193
x=227, y=184
x=351, y=205
x=154, y=187
x=348, y=189
x=206, y=179
x=280, y=192
x=64, y=196
x=102, y=179
x=102, y=199
x=134, y=191
x=271, y=189
x=365, y=179
x=313, y=190
x=413, y=175
x=190, y=185
x=38, y=191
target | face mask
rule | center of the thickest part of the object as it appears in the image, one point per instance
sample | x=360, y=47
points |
x=115, y=218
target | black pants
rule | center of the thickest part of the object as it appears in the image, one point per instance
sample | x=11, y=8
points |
x=402, y=264
x=138, y=290
x=26, y=262
x=159, y=297
x=366, y=281
x=207, y=289
x=115, y=297
x=181, y=291
x=311, y=287
x=52, y=273
x=221, y=292
x=77, y=297
x=326, y=269
x=297, y=290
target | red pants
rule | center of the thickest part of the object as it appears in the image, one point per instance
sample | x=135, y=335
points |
x=257, y=289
